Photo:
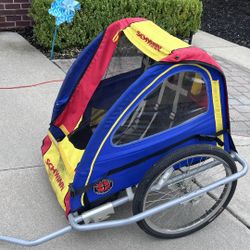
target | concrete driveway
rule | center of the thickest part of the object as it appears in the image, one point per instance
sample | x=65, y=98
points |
x=28, y=206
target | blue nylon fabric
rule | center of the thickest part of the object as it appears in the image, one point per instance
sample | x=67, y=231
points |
x=112, y=156
x=115, y=85
x=56, y=132
x=74, y=75
x=102, y=129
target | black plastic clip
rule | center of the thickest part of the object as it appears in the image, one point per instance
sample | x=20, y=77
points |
x=211, y=138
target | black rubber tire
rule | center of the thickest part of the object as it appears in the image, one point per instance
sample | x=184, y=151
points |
x=161, y=166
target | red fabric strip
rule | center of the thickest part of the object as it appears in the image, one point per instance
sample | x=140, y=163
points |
x=191, y=54
x=93, y=75
x=67, y=203
x=46, y=145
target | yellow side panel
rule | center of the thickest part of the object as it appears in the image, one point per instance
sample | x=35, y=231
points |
x=71, y=156
x=60, y=162
x=217, y=108
x=58, y=175
x=152, y=40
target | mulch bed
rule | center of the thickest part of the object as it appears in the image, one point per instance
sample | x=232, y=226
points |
x=27, y=33
x=228, y=19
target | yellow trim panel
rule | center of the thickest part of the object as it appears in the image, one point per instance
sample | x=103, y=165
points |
x=152, y=40
x=217, y=108
x=60, y=162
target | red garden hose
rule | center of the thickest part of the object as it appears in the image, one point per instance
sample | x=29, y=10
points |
x=31, y=85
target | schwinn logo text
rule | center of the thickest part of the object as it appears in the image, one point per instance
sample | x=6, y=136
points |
x=56, y=173
x=149, y=41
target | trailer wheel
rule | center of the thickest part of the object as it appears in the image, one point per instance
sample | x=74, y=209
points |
x=185, y=170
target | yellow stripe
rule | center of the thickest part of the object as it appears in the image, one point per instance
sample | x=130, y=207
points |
x=116, y=36
x=64, y=130
x=217, y=108
x=208, y=73
x=77, y=125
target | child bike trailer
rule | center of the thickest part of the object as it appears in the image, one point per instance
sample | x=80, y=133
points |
x=143, y=117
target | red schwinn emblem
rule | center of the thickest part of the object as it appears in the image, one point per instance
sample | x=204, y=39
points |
x=103, y=186
x=150, y=42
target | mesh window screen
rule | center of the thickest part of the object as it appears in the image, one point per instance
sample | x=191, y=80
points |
x=178, y=99
x=127, y=64
x=126, y=58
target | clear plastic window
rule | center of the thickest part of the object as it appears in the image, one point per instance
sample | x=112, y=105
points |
x=177, y=99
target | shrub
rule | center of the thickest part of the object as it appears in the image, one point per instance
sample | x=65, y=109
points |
x=178, y=17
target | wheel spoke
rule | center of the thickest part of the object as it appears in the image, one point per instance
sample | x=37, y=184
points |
x=188, y=215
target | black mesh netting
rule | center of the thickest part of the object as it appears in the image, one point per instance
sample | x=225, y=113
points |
x=126, y=65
